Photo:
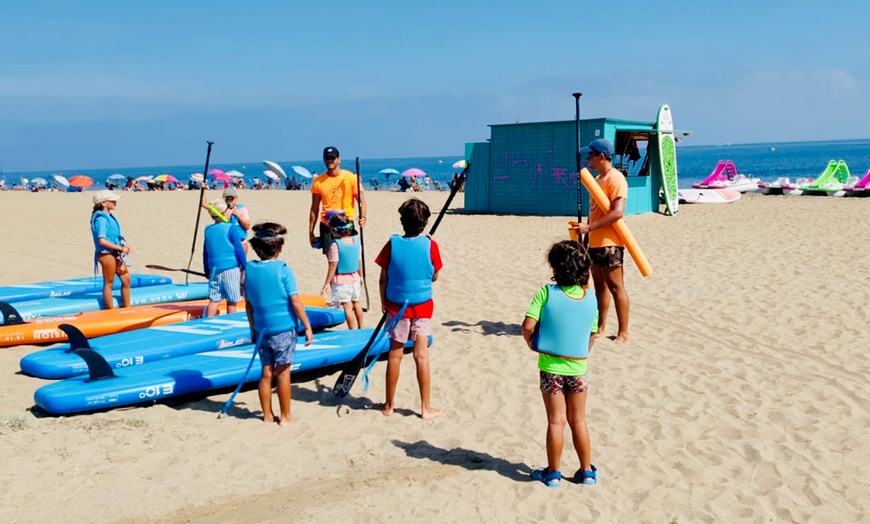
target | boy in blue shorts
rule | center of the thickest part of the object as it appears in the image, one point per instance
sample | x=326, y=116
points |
x=409, y=264
x=274, y=307
x=223, y=259
x=559, y=325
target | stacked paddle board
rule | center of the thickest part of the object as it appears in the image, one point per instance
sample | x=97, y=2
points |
x=74, y=286
x=199, y=372
x=143, y=346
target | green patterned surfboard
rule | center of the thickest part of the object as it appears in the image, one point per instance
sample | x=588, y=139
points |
x=668, y=159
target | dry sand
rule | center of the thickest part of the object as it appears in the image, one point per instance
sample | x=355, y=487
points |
x=742, y=396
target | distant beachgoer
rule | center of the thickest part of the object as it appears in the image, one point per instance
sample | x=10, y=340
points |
x=558, y=325
x=334, y=190
x=223, y=260
x=273, y=307
x=606, y=248
x=409, y=265
x=403, y=184
x=110, y=247
x=344, y=276
x=427, y=182
x=236, y=213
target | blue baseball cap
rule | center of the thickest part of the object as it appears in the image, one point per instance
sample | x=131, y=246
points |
x=602, y=146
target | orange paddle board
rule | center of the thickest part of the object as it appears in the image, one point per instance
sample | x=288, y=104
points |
x=105, y=322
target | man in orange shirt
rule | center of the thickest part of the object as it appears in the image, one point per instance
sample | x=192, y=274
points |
x=606, y=248
x=336, y=190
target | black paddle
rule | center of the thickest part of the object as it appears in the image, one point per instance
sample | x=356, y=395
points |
x=362, y=245
x=351, y=370
x=164, y=268
x=198, y=209
x=584, y=239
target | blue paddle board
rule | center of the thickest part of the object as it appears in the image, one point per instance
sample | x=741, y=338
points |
x=74, y=286
x=195, y=373
x=93, y=301
x=134, y=348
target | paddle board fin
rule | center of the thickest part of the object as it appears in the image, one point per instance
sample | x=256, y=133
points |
x=98, y=368
x=11, y=316
x=77, y=339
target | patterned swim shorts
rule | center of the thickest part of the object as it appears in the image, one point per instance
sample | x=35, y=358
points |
x=552, y=384
x=226, y=284
x=409, y=329
x=344, y=293
x=607, y=257
x=279, y=349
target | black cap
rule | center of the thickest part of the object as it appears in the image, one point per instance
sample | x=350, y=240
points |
x=331, y=152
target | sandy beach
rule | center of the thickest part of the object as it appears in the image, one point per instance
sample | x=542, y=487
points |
x=742, y=396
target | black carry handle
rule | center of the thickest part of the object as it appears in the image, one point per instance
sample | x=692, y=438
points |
x=199, y=208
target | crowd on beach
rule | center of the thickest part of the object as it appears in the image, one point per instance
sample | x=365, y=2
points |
x=561, y=324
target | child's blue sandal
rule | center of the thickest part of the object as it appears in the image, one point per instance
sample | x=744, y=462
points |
x=587, y=477
x=551, y=479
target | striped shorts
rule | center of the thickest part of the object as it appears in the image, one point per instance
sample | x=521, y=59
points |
x=226, y=284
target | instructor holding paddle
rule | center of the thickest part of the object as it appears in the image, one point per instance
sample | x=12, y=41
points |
x=334, y=190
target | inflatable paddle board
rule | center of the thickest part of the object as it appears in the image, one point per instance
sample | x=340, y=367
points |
x=134, y=348
x=74, y=286
x=93, y=301
x=668, y=158
x=708, y=196
x=104, y=388
x=44, y=330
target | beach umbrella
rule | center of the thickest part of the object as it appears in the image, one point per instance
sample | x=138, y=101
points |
x=39, y=181
x=301, y=171
x=235, y=174
x=117, y=176
x=271, y=176
x=215, y=172
x=145, y=178
x=197, y=176
x=275, y=168
x=413, y=172
x=222, y=177
x=461, y=164
x=24, y=181
x=61, y=180
x=388, y=171
x=165, y=178
x=81, y=181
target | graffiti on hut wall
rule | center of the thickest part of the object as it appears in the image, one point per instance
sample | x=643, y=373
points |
x=533, y=170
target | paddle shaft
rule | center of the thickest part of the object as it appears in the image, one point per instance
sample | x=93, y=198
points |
x=459, y=183
x=584, y=239
x=164, y=268
x=362, y=245
x=199, y=208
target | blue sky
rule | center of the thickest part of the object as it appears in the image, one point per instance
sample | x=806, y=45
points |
x=111, y=84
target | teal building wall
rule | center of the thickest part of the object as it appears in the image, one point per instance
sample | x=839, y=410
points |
x=531, y=168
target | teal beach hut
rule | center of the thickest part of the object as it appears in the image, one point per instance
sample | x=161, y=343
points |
x=531, y=168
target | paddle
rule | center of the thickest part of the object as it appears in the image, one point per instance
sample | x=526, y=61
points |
x=164, y=268
x=198, y=208
x=362, y=245
x=351, y=370
x=584, y=239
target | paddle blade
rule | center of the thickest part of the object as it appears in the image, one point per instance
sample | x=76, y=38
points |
x=348, y=375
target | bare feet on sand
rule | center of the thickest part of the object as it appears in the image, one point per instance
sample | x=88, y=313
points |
x=285, y=421
x=621, y=338
x=429, y=414
x=386, y=410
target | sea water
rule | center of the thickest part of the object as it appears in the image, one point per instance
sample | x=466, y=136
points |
x=767, y=161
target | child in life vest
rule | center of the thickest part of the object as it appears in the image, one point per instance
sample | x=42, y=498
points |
x=223, y=259
x=274, y=309
x=558, y=326
x=344, y=275
x=409, y=265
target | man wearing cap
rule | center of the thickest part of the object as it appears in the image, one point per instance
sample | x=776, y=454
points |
x=606, y=248
x=336, y=190
x=236, y=213
x=110, y=247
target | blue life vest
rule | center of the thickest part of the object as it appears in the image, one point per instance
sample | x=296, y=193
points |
x=565, y=324
x=221, y=252
x=409, y=275
x=113, y=231
x=270, y=301
x=348, y=256
x=234, y=220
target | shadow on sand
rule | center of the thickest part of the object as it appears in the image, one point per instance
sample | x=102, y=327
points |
x=465, y=458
